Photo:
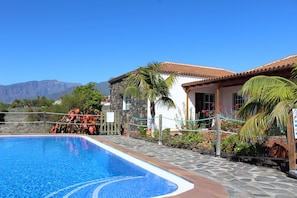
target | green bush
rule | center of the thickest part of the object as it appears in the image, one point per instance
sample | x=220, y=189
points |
x=191, y=139
x=166, y=135
x=174, y=141
x=142, y=131
x=229, y=144
x=250, y=149
x=188, y=140
x=230, y=125
x=243, y=148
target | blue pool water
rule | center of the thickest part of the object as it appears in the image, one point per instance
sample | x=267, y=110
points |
x=47, y=166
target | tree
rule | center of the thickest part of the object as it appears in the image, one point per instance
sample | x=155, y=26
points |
x=148, y=83
x=3, y=108
x=42, y=102
x=17, y=103
x=271, y=98
x=84, y=97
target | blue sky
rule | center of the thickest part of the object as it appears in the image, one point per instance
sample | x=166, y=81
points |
x=95, y=40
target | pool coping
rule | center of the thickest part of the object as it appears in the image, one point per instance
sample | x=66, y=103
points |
x=203, y=187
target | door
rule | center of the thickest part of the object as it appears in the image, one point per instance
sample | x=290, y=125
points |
x=205, y=107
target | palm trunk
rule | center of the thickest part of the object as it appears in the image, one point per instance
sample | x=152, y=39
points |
x=152, y=109
x=153, y=127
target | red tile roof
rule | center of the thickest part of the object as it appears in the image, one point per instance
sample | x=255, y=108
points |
x=287, y=61
x=194, y=70
x=214, y=74
x=279, y=65
x=186, y=69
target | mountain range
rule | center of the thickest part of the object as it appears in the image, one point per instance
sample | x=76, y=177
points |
x=51, y=89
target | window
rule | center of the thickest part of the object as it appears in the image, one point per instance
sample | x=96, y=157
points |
x=238, y=101
x=209, y=102
x=204, y=104
x=205, y=109
x=127, y=101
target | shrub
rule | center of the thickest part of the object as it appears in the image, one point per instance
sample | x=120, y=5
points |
x=230, y=125
x=142, y=131
x=188, y=140
x=173, y=141
x=250, y=149
x=243, y=148
x=229, y=144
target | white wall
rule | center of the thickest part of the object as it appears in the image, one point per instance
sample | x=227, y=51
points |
x=170, y=117
x=205, y=89
x=227, y=100
x=178, y=95
x=225, y=95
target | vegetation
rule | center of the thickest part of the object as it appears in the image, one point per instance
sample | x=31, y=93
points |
x=271, y=98
x=37, y=102
x=188, y=140
x=3, y=108
x=147, y=83
x=190, y=124
x=85, y=97
x=84, y=100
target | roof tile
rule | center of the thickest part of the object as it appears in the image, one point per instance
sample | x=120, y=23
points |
x=290, y=60
x=194, y=70
x=281, y=64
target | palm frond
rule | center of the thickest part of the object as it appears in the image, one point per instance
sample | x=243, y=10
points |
x=268, y=86
x=251, y=107
x=269, y=95
x=171, y=80
x=166, y=101
x=132, y=91
x=294, y=71
x=254, y=127
x=280, y=113
x=148, y=83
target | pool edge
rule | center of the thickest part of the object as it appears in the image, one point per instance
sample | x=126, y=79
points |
x=203, y=187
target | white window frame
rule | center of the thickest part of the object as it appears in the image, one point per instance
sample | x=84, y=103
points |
x=238, y=101
x=127, y=102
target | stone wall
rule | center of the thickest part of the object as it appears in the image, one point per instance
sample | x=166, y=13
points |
x=138, y=107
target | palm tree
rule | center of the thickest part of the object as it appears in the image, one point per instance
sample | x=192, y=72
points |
x=147, y=83
x=271, y=98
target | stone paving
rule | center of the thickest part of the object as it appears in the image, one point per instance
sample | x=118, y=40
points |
x=241, y=180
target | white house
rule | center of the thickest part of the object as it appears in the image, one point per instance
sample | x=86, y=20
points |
x=224, y=89
x=198, y=92
x=128, y=107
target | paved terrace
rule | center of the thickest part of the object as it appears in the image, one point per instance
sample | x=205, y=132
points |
x=212, y=176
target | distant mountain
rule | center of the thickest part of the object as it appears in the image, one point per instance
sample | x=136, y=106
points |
x=51, y=89
x=103, y=87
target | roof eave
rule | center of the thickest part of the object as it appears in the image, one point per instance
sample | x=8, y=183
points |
x=237, y=75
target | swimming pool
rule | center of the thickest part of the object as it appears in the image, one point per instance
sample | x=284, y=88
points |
x=78, y=166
